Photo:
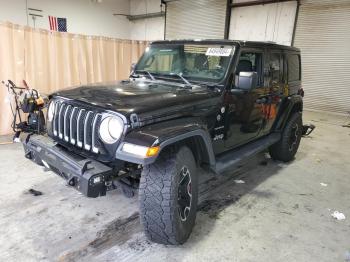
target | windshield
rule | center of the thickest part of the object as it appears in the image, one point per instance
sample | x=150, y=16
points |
x=196, y=62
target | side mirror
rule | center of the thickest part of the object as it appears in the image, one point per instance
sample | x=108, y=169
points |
x=247, y=80
x=132, y=68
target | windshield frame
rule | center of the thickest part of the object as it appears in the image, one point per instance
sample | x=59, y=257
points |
x=172, y=75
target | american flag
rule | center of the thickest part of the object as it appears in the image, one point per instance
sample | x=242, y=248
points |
x=58, y=24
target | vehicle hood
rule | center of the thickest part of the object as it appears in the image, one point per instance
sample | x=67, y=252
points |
x=148, y=99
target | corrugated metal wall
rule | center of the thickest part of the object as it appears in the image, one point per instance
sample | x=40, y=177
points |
x=201, y=19
x=323, y=35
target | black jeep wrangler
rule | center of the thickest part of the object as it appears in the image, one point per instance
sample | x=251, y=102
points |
x=187, y=104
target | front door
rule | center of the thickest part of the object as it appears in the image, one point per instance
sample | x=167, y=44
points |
x=244, y=116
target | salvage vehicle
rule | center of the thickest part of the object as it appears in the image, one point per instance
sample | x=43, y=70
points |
x=187, y=105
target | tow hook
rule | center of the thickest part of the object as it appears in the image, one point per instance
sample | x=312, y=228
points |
x=72, y=181
x=28, y=154
x=307, y=129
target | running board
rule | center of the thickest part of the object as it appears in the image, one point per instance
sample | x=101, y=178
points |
x=230, y=159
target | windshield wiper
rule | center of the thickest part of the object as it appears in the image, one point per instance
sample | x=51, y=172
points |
x=145, y=71
x=188, y=84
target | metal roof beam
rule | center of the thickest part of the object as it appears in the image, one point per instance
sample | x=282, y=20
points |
x=258, y=2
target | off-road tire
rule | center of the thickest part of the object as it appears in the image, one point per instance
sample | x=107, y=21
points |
x=158, y=196
x=285, y=149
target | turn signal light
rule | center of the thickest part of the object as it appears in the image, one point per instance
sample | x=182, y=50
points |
x=152, y=151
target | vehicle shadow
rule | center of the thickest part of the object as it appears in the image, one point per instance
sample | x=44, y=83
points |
x=216, y=192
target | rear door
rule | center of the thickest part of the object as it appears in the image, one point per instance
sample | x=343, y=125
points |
x=276, y=85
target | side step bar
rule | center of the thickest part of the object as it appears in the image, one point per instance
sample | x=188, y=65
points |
x=232, y=158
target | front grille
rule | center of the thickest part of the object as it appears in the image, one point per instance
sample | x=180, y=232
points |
x=77, y=126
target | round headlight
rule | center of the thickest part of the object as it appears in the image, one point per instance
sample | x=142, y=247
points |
x=111, y=129
x=51, y=111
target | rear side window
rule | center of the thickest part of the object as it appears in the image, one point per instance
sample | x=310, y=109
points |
x=293, y=67
x=275, y=67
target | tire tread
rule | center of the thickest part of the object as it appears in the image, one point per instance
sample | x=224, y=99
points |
x=156, y=196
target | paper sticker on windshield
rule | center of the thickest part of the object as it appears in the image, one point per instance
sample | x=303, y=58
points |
x=217, y=51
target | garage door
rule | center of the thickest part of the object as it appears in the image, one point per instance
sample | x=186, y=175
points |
x=269, y=22
x=323, y=35
x=195, y=19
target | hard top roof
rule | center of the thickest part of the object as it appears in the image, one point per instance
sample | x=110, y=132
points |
x=228, y=42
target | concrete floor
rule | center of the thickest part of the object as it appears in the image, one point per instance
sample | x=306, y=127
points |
x=280, y=213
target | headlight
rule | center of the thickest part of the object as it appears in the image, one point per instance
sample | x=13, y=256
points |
x=51, y=111
x=111, y=129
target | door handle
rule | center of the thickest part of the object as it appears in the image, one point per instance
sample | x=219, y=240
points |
x=261, y=100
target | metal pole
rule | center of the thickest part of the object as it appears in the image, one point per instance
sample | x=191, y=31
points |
x=27, y=12
x=295, y=22
x=228, y=19
x=166, y=10
x=258, y=2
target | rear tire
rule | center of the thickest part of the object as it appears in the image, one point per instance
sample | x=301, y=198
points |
x=168, y=197
x=285, y=149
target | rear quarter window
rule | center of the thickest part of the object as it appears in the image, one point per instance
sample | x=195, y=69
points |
x=293, y=62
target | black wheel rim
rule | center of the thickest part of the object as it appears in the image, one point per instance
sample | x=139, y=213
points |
x=293, y=139
x=184, y=198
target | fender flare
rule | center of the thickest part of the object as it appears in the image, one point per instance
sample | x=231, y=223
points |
x=286, y=110
x=192, y=134
x=202, y=134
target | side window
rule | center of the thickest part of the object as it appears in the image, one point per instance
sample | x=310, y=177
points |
x=250, y=62
x=293, y=63
x=275, y=67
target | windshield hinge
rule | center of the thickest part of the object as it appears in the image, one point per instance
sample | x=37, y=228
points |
x=134, y=120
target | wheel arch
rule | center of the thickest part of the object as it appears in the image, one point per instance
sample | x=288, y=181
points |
x=289, y=106
x=297, y=107
x=198, y=142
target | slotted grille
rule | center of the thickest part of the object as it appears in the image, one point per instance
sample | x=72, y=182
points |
x=77, y=126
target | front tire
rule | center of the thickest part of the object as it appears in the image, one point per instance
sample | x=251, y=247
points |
x=285, y=149
x=168, y=197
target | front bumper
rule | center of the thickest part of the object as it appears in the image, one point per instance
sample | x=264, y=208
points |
x=86, y=175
